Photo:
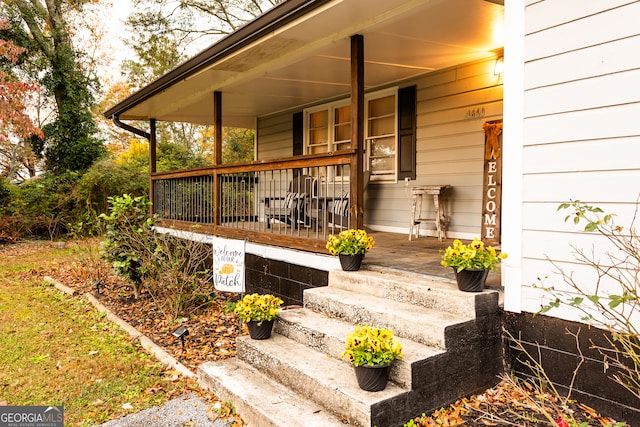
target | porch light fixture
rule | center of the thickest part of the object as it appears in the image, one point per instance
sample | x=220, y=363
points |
x=498, y=68
x=181, y=333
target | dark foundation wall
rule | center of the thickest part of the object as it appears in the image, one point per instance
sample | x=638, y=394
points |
x=558, y=352
x=285, y=280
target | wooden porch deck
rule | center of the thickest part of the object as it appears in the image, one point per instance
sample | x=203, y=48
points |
x=395, y=251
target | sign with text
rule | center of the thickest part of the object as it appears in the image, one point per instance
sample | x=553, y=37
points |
x=228, y=264
x=31, y=416
x=492, y=188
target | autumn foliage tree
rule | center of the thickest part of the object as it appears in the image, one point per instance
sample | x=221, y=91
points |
x=70, y=142
x=16, y=126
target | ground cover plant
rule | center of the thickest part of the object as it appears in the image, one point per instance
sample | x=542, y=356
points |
x=58, y=350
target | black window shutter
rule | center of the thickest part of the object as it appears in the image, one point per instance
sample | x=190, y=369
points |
x=407, y=133
x=298, y=134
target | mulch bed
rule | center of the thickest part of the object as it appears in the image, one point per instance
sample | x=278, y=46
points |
x=212, y=334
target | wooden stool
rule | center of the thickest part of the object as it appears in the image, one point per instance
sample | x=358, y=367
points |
x=416, y=209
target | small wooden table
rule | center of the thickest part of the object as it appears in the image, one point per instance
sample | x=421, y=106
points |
x=416, y=209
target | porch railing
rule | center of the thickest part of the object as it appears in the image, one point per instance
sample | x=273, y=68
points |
x=294, y=202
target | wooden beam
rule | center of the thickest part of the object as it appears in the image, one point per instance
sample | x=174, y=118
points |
x=152, y=145
x=217, y=154
x=217, y=127
x=357, y=131
x=152, y=159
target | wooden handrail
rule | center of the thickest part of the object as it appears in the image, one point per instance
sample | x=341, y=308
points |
x=221, y=174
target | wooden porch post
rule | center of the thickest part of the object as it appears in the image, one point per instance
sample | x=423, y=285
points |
x=217, y=154
x=357, y=131
x=152, y=159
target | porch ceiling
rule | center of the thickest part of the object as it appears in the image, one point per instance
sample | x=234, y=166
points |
x=306, y=60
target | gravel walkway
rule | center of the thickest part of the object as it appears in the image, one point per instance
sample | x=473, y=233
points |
x=188, y=410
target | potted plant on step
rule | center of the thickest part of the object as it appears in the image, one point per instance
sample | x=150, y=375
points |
x=371, y=351
x=258, y=312
x=350, y=246
x=471, y=263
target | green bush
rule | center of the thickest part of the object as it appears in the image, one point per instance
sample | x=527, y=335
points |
x=43, y=207
x=128, y=227
x=174, y=272
x=106, y=179
x=5, y=193
x=55, y=206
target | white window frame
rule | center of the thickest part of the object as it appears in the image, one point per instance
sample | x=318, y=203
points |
x=331, y=146
x=386, y=178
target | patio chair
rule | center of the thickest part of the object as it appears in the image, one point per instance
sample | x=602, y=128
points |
x=338, y=211
x=292, y=208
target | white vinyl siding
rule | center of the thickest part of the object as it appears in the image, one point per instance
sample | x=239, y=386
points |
x=450, y=147
x=275, y=137
x=581, y=128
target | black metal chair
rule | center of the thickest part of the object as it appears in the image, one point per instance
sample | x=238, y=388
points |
x=291, y=208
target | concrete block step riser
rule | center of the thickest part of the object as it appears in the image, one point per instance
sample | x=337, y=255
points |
x=437, y=294
x=250, y=415
x=431, y=335
x=334, y=346
x=312, y=338
x=261, y=401
x=305, y=385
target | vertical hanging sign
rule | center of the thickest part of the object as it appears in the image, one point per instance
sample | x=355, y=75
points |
x=492, y=188
x=228, y=264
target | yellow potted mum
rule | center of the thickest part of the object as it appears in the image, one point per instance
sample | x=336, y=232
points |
x=350, y=246
x=258, y=312
x=471, y=263
x=371, y=351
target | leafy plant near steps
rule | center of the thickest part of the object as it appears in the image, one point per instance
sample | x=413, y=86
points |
x=172, y=271
x=128, y=223
x=615, y=308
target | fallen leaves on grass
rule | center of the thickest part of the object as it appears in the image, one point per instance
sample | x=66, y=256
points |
x=212, y=331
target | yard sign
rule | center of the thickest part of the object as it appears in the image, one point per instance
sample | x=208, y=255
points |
x=228, y=264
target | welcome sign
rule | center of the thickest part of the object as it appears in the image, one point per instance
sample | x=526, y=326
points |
x=228, y=264
x=492, y=189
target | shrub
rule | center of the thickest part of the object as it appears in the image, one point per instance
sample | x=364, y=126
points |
x=107, y=179
x=176, y=274
x=128, y=229
x=44, y=206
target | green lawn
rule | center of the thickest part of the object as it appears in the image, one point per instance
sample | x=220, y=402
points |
x=57, y=350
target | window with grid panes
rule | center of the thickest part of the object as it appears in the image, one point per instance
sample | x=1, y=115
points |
x=328, y=128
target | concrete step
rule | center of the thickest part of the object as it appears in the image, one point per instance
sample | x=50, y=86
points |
x=296, y=378
x=325, y=380
x=327, y=335
x=428, y=291
x=417, y=323
x=262, y=401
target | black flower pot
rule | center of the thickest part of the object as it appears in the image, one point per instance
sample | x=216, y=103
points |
x=350, y=262
x=260, y=331
x=372, y=378
x=471, y=280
